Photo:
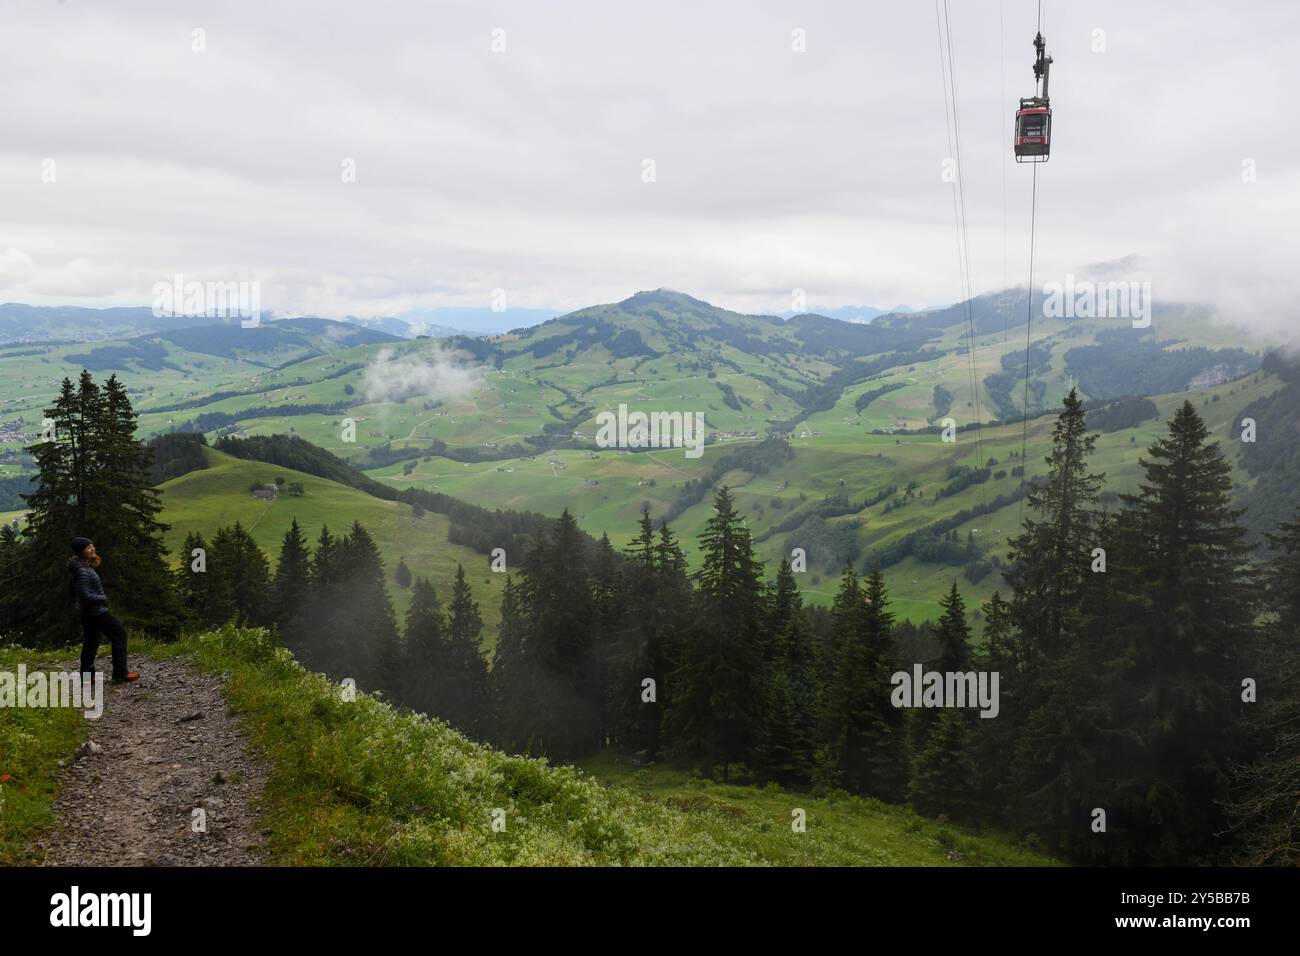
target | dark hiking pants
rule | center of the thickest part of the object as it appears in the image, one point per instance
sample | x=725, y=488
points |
x=95, y=627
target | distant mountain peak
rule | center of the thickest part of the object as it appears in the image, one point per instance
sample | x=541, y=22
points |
x=1114, y=267
x=663, y=297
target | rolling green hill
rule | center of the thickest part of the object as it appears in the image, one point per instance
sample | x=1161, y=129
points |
x=219, y=495
x=846, y=461
x=509, y=421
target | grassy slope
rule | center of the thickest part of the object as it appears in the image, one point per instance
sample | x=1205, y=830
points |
x=33, y=743
x=842, y=829
x=357, y=783
x=840, y=452
x=218, y=496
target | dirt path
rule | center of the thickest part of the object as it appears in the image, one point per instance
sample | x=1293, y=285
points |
x=167, y=748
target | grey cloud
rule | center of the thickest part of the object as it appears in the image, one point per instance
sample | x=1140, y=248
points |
x=521, y=170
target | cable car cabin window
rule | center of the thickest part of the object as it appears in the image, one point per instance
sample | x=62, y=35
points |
x=1034, y=124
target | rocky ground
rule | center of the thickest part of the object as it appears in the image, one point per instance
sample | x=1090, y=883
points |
x=164, y=748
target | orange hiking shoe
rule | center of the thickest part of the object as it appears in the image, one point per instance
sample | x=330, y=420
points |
x=127, y=678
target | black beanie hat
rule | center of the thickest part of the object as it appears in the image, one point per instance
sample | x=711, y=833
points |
x=79, y=545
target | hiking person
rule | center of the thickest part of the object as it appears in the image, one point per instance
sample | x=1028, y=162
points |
x=96, y=619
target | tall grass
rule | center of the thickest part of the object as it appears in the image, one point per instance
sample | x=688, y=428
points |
x=358, y=782
x=33, y=743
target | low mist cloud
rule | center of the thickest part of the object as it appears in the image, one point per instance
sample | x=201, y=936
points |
x=434, y=373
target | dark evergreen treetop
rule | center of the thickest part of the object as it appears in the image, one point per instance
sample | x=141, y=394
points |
x=94, y=479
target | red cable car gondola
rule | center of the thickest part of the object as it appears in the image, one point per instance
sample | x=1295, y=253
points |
x=1033, y=134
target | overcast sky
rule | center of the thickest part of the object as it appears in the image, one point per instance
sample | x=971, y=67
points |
x=523, y=169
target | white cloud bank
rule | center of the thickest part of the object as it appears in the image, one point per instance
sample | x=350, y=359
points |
x=434, y=373
x=522, y=170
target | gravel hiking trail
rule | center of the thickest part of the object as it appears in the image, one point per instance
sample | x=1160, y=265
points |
x=163, y=748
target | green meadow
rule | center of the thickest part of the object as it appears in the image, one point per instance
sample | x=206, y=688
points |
x=671, y=353
x=219, y=495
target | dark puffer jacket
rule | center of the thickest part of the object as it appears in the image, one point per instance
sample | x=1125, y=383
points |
x=87, y=588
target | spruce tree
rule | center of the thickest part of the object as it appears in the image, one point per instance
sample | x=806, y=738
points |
x=864, y=747
x=513, y=699
x=676, y=597
x=1282, y=575
x=1140, y=713
x=1263, y=797
x=1049, y=641
x=143, y=582
x=787, y=730
x=844, y=661
x=784, y=600
x=999, y=643
x=93, y=479
x=943, y=773
x=641, y=550
x=13, y=565
x=371, y=639
x=1189, y=641
x=193, y=585
x=609, y=609
x=558, y=656
x=953, y=633
x=633, y=652
x=656, y=598
x=348, y=628
x=717, y=699
x=322, y=569
x=292, y=576
x=238, y=579
x=943, y=777
x=952, y=641
x=305, y=627
x=465, y=690
x=669, y=558
x=425, y=650
x=1051, y=558
x=888, y=763
x=996, y=737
